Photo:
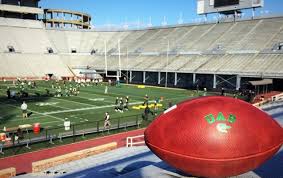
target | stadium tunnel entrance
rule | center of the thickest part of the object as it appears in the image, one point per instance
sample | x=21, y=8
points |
x=185, y=80
x=204, y=81
x=150, y=78
x=278, y=84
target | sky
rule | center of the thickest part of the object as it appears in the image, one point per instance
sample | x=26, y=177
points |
x=134, y=13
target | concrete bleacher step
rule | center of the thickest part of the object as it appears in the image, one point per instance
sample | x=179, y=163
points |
x=275, y=111
x=109, y=164
x=162, y=170
x=159, y=169
x=115, y=163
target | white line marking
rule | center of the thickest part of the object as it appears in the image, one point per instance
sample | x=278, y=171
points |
x=119, y=94
x=74, y=102
x=35, y=112
x=88, y=108
x=96, y=99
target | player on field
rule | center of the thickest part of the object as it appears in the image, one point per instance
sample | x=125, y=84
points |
x=155, y=108
x=24, y=108
x=106, y=89
x=146, y=113
x=146, y=98
x=8, y=93
x=107, y=123
x=121, y=105
x=116, y=104
x=126, y=107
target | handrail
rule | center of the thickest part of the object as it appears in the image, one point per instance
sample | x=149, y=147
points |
x=130, y=141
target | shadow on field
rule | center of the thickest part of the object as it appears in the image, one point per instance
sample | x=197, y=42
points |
x=13, y=108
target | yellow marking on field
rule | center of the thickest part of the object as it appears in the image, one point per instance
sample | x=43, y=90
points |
x=151, y=86
x=141, y=86
x=138, y=107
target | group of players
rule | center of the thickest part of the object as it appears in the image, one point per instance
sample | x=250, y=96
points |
x=121, y=105
x=23, y=86
x=70, y=90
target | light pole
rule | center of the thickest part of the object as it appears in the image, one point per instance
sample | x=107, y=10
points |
x=167, y=59
x=105, y=57
x=127, y=66
x=119, y=55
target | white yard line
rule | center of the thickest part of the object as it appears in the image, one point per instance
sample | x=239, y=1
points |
x=101, y=96
x=33, y=115
x=55, y=104
x=80, y=109
x=142, y=96
x=43, y=114
x=60, y=107
x=119, y=94
x=74, y=101
x=105, y=101
x=150, y=86
x=71, y=100
x=89, y=108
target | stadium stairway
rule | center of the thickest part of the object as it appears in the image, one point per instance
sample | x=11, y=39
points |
x=110, y=164
x=139, y=162
x=275, y=110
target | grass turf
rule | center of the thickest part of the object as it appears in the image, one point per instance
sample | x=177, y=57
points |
x=88, y=106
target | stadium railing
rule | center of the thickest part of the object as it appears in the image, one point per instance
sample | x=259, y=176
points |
x=136, y=140
x=58, y=135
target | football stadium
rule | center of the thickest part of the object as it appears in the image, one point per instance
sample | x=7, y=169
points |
x=201, y=99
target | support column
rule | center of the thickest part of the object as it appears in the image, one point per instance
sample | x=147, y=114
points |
x=143, y=77
x=88, y=22
x=131, y=76
x=238, y=82
x=176, y=79
x=194, y=78
x=214, y=81
x=71, y=19
x=52, y=23
x=159, y=76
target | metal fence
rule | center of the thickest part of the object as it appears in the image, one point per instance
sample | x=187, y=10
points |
x=28, y=137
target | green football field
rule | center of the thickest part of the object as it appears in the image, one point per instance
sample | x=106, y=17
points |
x=89, y=105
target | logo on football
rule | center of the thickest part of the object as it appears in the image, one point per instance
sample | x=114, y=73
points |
x=221, y=127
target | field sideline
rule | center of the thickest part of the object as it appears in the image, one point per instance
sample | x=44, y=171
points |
x=89, y=105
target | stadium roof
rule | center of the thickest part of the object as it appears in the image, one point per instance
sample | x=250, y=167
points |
x=261, y=82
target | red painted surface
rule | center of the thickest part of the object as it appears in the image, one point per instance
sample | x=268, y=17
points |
x=266, y=96
x=214, y=137
x=23, y=162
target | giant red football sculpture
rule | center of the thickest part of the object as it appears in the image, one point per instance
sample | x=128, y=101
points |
x=214, y=136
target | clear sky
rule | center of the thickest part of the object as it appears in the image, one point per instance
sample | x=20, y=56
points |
x=134, y=12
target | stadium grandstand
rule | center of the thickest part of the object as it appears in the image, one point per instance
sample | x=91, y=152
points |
x=237, y=55
x=214, y=55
